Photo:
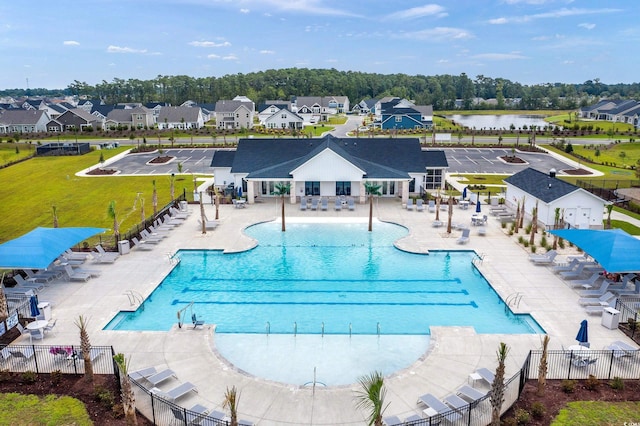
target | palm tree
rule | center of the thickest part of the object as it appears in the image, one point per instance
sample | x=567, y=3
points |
x=438, y=205
x=85, y=347
x=203, y=218
x=556, y=223
x=609, y=209
x=4, y=310
x=534, y=223
x=371, y=189
x=282, y=189
x=172, y=187
x=55, y=216
x=231, y=399
x=154, y=199
x=497, y=387
x=517, y=220
x=371, y=397
x=128, y=397
x=450, y=214
x=521, y=224
x=542, y=369
x=111, y=212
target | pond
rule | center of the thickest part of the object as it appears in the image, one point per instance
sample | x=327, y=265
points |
x=505, y=121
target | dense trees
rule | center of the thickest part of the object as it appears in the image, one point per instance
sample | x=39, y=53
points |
x=441, y=91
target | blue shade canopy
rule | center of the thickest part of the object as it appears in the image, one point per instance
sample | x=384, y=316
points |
x=583, y=334
x=614, y=249
x=478, y=208
x=464, y=193
x=38, y=248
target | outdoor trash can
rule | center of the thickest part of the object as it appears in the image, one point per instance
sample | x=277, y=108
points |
x=610, y=318
x=45, y=310
x=124, y=247
x=184, y=206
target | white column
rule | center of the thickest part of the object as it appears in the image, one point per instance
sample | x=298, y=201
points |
x=363, y=193
x=292, y=193
x=251, y=192
x=405, y=192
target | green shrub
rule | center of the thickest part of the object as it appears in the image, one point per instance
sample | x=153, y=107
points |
x=561, y=243
x=568, y=386
x=537, y=410
x=521, y=239
x=104, y=396
x=617, y=383
x=504, y=225
x=526, y=243
x=591, y=383
x=29, y=376
x=527, y=229
x=543, y=241
x=522, y=416
x=5, y=375
x=533, y=249
x=56, y=377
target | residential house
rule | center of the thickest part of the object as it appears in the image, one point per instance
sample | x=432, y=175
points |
x=364, y=107
x=318, y=108
x=234, y=114
x=579, y=208
x=330, y=167
x=284, y=119
x=74, y=119
x=268, y=108
x=135, y=118
x=181, y=117
x=23, y=121
x=403, y=114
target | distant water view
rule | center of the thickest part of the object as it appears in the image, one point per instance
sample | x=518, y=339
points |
x=498, y=121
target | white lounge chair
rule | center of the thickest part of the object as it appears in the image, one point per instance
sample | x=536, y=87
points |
x=143, y=373
x=76, y=255
x=314, y=204
x=604, y=300
x=410, y=204
x=469, y=393
x=632, y=350
x=419, y=205
x=543, y=259
x=568, y=266
x=392, y=421
x=590, y=282
x=351, y=203
x=104, y=256
x=150, y=238
x=76, y=276
x=303, y=203
x=439, y=407
x=177, y=392
x=464, y=238
x=141, y=245
x=161, y=376
x=455, y=402
x=338, y=204
x=177, y=214
x=324, y=203
x=604, y=287
x=22, y=283
x=486, y=374
x=192, y=416
x=432, y=206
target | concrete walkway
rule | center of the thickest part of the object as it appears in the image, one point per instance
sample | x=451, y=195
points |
x=454, y=352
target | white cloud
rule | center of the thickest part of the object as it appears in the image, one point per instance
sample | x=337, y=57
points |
x=559, y=13
x=307, y=7
x=230, y=58
x=244, y=10
x=437, y=34
x=587, y=25
x=499, y=56
x=567, y=62
x=209, y=44
x=70, y=43
x=118, y=49
x=213, y=56
x=267, y=52
x=332, y=61
x=443, y=61
x=419, y=12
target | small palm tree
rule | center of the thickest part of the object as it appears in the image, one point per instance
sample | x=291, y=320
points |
x=371, y=189
x=497, y=387
x=534, y=224
x=112, y=213
x=282, y=189
x=450, y=215
x=231, y=399
x=154, y=199
x=371, y=397
x=517, y=220
x=85, y=347
x=542, y=369
x=4, y=310
x=556, y=223
x=609, y=210
x=127, y=395
x=55, y=216
x=203, y=217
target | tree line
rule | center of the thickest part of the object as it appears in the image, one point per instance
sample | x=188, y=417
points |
x=441, y=91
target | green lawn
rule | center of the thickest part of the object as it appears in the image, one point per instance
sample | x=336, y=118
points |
x=32, y=187
x=9, y=153
x=586, y=413
x=619, y=154
x=17, y=409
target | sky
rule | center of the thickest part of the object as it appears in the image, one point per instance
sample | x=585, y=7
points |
x=49, y=44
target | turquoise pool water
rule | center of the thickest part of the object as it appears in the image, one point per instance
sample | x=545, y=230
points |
x=331, y=279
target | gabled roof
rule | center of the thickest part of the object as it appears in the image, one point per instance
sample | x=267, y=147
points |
x=623, y=106
x=223, y=106
x=283, y=110
x=177, y=114
x=57, y=108
x=125, y=115
x=435, y=159
x=223, y=158
x=379, y=158
x=424, y=109
x=277, y=104
x=103, y=110
x=541, y=185
x=21, y=116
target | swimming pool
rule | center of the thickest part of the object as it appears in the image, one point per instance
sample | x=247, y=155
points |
x=327, y=279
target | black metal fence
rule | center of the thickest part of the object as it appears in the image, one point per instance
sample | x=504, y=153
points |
x=164, y=412
x=629, y=308
x=66, y=359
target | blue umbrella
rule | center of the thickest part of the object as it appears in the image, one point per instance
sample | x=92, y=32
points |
x=33, y=305
x=583, y=335
x=240, y=192
x=464, y=193
x=478, y=208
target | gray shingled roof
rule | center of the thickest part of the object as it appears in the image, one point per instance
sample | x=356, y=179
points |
x=177, y=114
x=379, y=158
x=20, y=116
x=541, y=185
x=223, y=158
x=231, y=106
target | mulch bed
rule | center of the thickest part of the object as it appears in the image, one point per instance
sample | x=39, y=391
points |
x=161, y=160
x=554, y=398
x=576, y=172
x=512, y=159
x=101, y=172
x=102, y=398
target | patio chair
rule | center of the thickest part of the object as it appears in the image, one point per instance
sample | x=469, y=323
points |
x=324, y=203
x=314, y=204
x=75, y=255
x=432, y=206
x=94, y=273
x=41, y=276
x=455, y=402
x=464, y=238
x=103, y=256
x=568, y=266
x=583, y=362
x=214, y=418
x=469, y=393
x=36, y=334
x=177, y=214
x=438, y=407
x=631, y=350
x=419, y=205
x=142, y=373
x=303, y=203
x=604, y=287
x=161, y=376
x=190, y=416
x=146, y=235
x=486, y=374
x=22, y=283
x=23, y=355
x=76, y=276
x=141, y=245
x=21, y=329
x=351, y=203
x=410, y=204
x=49, y=327
x=604, y=300
x=392, y=421
x=177, y=392
x=590, y=282
x=482, y=231
x=543, y=259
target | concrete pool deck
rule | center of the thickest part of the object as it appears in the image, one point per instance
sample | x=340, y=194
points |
x=454, y=352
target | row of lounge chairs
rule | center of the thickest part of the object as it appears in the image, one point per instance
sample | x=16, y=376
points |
x=160, y=229
x=323, y=202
